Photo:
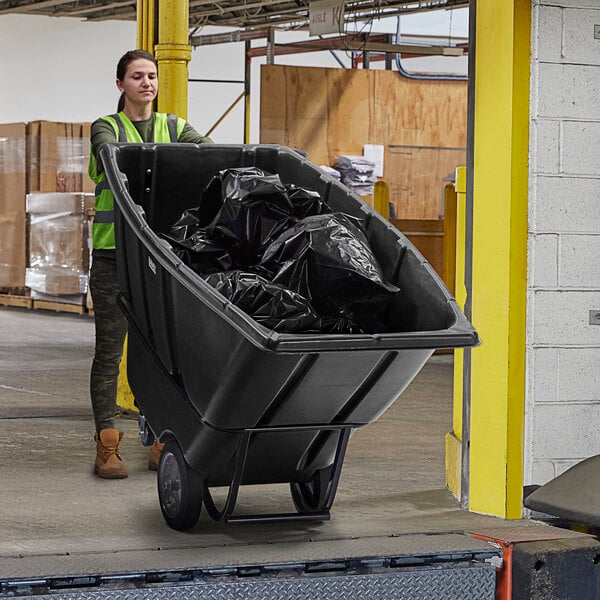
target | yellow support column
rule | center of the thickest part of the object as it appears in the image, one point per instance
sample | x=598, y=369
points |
x=145, y=41
x=173, y=53
x=145, y=25
x=499, y=267
x=457, y=217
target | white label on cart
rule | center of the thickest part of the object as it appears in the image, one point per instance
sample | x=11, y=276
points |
x=151, y=265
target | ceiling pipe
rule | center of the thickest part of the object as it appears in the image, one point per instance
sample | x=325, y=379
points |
x=421, y=76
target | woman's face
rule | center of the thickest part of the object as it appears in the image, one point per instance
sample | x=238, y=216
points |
x=140, y=82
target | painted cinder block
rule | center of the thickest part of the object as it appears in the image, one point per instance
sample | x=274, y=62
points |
x=543, y=254
x=563, y=354
x=579, y=262
x=561, y=318
x=566, y=204
x=542, y=471
x=544, y=374
x=566, y=431
x=578, y=42
x=569, y=91
x=579, y=148
x=548, y=43
x=578, y=370
x=545, y=146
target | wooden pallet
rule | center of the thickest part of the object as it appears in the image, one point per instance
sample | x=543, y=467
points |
x=59, y=307
x=15, y=300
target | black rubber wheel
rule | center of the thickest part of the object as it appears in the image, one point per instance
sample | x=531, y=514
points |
x=312, y=495
x=179, y=488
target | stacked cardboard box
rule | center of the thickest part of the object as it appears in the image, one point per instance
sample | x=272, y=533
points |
x=57, y=157
x=13, y=251
x=39, y=156
x=59, y=255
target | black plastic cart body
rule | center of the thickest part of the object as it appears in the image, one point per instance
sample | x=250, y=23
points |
x=237, y=403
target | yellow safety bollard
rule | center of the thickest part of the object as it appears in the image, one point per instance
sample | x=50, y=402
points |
x=381, y=198
x=125, y=398
x=455, y=235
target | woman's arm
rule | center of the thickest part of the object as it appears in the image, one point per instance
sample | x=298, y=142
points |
x=190, y=136
x=101, y=133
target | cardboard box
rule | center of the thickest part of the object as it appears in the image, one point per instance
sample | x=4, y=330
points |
x=57, y=302
x=87, y=185
x=36, y=156
x=55, y=281
x=59, y=232
x=58, y=202
x=58, y=156
x=13, y=249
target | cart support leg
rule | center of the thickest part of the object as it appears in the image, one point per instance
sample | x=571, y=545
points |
x=325, y=501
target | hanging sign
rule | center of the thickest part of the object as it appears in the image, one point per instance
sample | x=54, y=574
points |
x=326, y=16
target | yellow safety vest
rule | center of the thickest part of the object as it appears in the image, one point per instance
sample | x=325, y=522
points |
x=167, y=128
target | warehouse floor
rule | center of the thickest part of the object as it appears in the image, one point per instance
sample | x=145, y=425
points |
x=53, y=505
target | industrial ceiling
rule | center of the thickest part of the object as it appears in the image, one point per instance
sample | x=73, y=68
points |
x=246, y=14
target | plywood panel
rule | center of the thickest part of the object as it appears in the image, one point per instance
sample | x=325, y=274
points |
x=417, y=176
x=327, y=112
x=427, y=235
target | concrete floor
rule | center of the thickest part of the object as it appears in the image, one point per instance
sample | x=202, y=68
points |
x=52, y=505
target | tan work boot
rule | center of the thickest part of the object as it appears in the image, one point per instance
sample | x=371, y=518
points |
x=108, y=463
x=154, y=456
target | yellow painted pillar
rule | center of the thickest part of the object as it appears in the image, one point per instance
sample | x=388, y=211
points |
x=173, y=53
x=499, y=264
x=145, y=25
x=145, y=41
x=454, y=438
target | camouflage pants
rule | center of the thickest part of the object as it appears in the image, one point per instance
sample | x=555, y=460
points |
x=111, y=328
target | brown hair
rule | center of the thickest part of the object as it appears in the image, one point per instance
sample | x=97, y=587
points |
x=122, y=65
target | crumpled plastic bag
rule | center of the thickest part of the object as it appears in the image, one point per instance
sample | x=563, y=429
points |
x=270, y=304
x=278, y=253
x=328, y=260
x=195, y=247
x=305, y=203
x=256, y=208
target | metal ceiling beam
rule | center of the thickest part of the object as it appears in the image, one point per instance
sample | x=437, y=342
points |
x=219, y=5
x=223, y=38
x=32, y=6
x=125, y=13
x=231, y=13
x=82, y=10
x=359, y=46
x=299, y=15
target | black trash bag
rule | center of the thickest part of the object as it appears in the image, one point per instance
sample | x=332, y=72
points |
x=267, y=303
x=203, y=254
x=185, y=226
x=352, y=322
x=195, y=248
x=213, y=194
x=328, y=260
x=306, y=203
x=255, y=209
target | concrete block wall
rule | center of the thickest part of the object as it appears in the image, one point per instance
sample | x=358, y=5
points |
x=563, y=349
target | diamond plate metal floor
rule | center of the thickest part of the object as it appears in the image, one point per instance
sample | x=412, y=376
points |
x=440, y=567
x=476, y=582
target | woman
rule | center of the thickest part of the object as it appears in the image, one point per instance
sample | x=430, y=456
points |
x=135, y=121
